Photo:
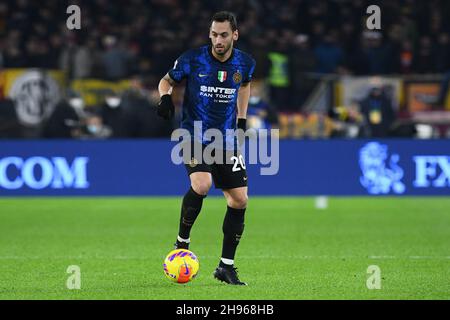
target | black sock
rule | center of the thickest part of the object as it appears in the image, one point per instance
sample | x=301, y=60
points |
x=233, y=227
x=190, y=209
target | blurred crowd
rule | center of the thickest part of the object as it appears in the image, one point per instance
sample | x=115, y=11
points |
x=292, y=41
x=119, y=38
x=130, y=114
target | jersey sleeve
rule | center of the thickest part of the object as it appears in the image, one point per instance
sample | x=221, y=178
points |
x=250, y=72
x=180, y=69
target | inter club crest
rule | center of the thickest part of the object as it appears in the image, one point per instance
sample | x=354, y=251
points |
x=237, y=77
x=222, y=76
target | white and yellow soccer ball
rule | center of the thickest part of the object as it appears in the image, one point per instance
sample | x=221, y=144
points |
x=181, y=265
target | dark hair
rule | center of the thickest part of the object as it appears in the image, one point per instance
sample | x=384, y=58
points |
x=223, y=16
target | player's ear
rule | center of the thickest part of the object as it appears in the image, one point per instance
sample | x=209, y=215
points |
x=235, y=35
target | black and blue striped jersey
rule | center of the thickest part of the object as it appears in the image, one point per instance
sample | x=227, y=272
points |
x=211, y=89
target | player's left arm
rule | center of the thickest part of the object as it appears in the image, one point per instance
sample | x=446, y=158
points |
x=242, y=100
x=244, y=96
x=242, y=105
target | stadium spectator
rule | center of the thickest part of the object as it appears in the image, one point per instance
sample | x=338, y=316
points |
x=303, y=63
x=443, y=52
x=115, y=116
x=260, y=115
x=140, y=106
x=76, y=60
x=376, y=54
x=93, y=126
x=279, y=77
x=9, y=123
x=13, y=56
x=423, y=61
x=66, y=120
x=406, y=57
x=329, y=54
x=378, y=113
x=114, y=59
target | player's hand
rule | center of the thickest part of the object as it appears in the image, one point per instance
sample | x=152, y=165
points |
x=165, y=108
x=242, y=125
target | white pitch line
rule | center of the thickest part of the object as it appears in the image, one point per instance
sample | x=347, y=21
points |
x=426, y=257
x=411, y=257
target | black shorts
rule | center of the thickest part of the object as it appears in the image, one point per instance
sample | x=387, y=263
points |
x=227, y=173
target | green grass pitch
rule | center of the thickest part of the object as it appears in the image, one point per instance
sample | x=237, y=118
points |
x=289, y=249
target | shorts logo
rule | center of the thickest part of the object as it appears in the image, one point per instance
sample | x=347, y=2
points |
x=193, y=162
x=222, y=76
x=237, y=77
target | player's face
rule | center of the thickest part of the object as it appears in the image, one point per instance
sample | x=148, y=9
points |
x=222, y=37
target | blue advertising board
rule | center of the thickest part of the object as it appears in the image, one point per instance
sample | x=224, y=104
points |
x=302, y=167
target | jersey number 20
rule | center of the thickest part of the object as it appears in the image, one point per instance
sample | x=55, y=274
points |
x=238, y=161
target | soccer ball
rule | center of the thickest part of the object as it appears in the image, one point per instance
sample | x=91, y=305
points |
x=181, y=265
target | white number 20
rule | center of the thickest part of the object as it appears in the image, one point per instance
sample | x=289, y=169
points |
x=237, y=162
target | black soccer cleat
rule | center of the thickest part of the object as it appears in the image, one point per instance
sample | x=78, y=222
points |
x=181, y=245
x=228, y=275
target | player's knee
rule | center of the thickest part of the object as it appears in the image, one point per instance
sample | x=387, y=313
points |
x=238, y=202
x=201, y=187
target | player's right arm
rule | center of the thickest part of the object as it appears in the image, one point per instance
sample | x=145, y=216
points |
x=166, y=85
x=179, y=71
x=166, y=109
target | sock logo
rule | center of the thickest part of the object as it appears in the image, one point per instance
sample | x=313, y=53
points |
x=187, y=222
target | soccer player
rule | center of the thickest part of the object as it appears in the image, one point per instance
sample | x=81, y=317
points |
x=217, y=93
